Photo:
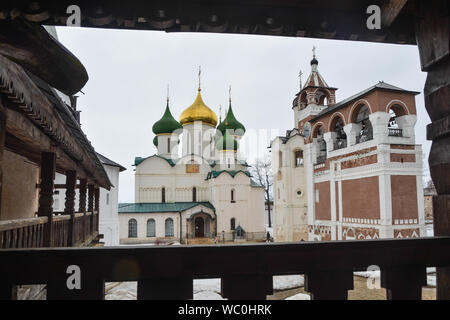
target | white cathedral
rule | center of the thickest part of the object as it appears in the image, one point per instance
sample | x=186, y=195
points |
x=206, y=192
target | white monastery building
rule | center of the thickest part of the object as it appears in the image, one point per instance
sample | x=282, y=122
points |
x=348, y=169
x=204, y=192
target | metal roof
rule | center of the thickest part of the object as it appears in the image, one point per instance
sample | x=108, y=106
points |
x=161, y=207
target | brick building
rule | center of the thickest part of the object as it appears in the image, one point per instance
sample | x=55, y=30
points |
x=349, y=169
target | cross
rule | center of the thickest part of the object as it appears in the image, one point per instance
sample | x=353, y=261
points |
x=314, y=51
x=220, y=113
x=167, y=93
x=229, y=94
x=300, y=77
x=199, y=72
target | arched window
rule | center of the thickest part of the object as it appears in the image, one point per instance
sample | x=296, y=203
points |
x=194, y=194
x=169, y=227
x=151, y=228
x=340, y=138
x=362, y=119
x=132, y=228
x=394, y=129
x=232, y=223
x=302, y=100
x=163, y=195
x=298, y=154
x=321, y=98
x=232, y=196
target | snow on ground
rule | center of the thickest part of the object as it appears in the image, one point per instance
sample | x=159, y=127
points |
x=287, y=282
x=207, y=295
x=431, y=276
x=211, y=285
x=123, y=291
x=299, y=296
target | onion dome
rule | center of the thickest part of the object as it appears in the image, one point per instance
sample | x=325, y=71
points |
x=155, y=141
x=231, y=123
x=167, y=124
x=314, y=61
x=198, y=111
x=227, y=142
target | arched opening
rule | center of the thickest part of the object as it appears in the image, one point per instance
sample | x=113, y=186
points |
x=361, y=119
x=132, y=228
x=320, y=144
x=302, y=101
x=199, y=227
x=169, y=227
x=394, y=129
x=339, y=135
x=322, y=97
x=151, y=228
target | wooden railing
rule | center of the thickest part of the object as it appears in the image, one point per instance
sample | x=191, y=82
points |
x=167, y=272
x=30, y=233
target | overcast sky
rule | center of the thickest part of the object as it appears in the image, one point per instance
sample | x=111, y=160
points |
x=129, y=72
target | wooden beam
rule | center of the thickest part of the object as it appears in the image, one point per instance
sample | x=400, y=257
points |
x=48, y=165
x=82, y=205
x=390, y=10
x=2, y=148
x=91, y=207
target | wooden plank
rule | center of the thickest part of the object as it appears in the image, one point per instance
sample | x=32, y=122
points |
x=245, y=287
x=390, y=10
x=2, y=147
x=162, y=288
x=441, y=218
x=90, y=208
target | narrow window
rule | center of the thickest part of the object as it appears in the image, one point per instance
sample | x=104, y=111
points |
x=169, y=227
x=132, y=228
x=107, y=198
x=232, y=223
x=168, y=145
x=194, y=194
x=232, y=196
x=151, y=228
x=163, y=195
x=298, y=158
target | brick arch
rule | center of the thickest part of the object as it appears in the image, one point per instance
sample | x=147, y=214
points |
x=333, y=119
x=315, y=127
x=355, y=109
x=400, y=105
x=326, y=92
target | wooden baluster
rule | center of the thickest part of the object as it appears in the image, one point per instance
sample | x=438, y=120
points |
x=81, y=226
x=48, y=167
x=161, y=288
x=329, y=285
x=246, y=287
x=2, y=147
x=96, y=207
x=69, y=209
x=404, y=283
x=433, y=40
x=91, y=208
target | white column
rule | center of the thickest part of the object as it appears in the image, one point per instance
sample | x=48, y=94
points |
x=351, y=130
x=386, y=230
x=379, y=121
x=407, y=123
x=329, y=138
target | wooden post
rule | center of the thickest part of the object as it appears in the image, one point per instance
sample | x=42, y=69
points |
x=48, y=167
x=404, y=283
x=161, y=288
x=2, y=147
x=82, y=206
x=71, y=181
x=329, y=285
x=245, y=287
x=91, y=208
x=433, y=39
x=97, y=207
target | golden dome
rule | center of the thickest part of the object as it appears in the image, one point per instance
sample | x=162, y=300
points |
x=198, y=111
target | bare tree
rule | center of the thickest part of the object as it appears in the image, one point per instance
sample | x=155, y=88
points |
x=261, y=170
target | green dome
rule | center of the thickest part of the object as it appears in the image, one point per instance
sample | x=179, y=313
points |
x=230, y=122
x=226, y=142
x=167, y=124
x=155, y=141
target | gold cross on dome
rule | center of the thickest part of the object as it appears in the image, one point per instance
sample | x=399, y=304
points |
x=300, y=77
x=314, y=51
x=199, y=73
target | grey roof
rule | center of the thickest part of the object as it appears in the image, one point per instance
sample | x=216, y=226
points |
x=109, y=162
x=379, y=85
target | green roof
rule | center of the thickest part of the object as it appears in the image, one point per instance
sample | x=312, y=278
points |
x=167, y=124
x=231, y=123
x=214, y=174
x=227, y=142
x=155, y=141
x=160, y=207
x=139, y=160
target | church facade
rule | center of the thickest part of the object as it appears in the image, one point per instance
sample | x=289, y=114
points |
x=204, y=191
x=348, y=169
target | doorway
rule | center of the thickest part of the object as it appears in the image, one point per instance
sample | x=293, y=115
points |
x=199, y=227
